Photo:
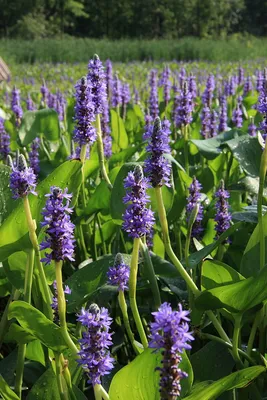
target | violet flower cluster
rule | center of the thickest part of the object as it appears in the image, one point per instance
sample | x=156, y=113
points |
x=166, y=83
x=116, y=92
x=29, y=103
x=84, y=132
x=16, y=106
x=109, y=78
x=192, y=200
x=223, y=216
x=185, y=106
x=205, y=122
x=22, y=178
x=106, y=131
x=252, y=129
x=170, y=335
x=262, y=108
x=94, y=356
x=223, y=114
x=34, y=156
x=96, y=79
x=238, y=113
x=45, y=94
x=153, y=97
x=118, y=274
x=208, y=93
x=138, y=219
x=59, y=228
x=157, y=166
x=4, y=141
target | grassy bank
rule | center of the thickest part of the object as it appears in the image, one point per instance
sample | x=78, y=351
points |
x=79, y=50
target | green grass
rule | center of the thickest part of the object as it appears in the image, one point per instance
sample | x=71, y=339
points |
x=80, y=50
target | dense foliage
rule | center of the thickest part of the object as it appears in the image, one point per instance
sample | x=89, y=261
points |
x=133, y=231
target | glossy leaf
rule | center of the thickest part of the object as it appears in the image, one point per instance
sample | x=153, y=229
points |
x=215, y=273
x=45, y=388
x=6, y=392
x=36, y=323
x=6, y=203
x=118, y=131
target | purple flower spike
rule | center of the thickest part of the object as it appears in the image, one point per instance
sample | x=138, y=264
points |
x=22, y=178
x=84, y=132
x=208, y=93
x=240, y=75
x=106, y=131
x=15, y=105
x=166, y=83
x=205, y=120
x=54, y=304
x=223, y=114
x=170, y=335
x=192, y=86
x=118, y=275
x=185, y=107
x=248, y=86
x=223, y=216
x=4, y=141
x=96, y=79
x=116, y=92
x=60, y=237
x=45, y=94
x=192, y=200
x=238, y=113
x=34, y=156
x=153, y=98
x=136, y=96
x=157, y=166
x=109, y=78
x=262, y=108
x=94, y=356
x=138, y=219
x=252, y=129
x=214, y=126
x=29, y=103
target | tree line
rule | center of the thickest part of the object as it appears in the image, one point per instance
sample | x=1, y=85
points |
x=115, y=19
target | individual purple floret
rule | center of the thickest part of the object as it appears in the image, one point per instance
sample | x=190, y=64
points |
x=205, y=122
x=116, y=92
x=107, y=140
x=185, y=107
x=59, y=228
x=237, y=117
x=4, y=141
x=34, y=156
x=223, y=216
x=248, y=86
x=15, y=105
x=29, y=103
x=252, y=129
x=192, y=200
x=138, y=219
x=45, y=94
x=208, y=93
x=153, y=97
x=96, y=79
x=94, y=356
x=118, y=274
x=170, y=335
x=157, y=166
x=84, y=132
x=109, y=78
x=22, y=178
x=223, y=114
x=54, y=304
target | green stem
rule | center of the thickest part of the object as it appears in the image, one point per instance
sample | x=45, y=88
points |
x=185, y=132
x=97, y=392
x=104, y=394
x=228, y=345
x=82, y=242
x=27, y=298
x=34, y=240
x=253, y=333
x=237, y=328
x=132, y=292
x=62, y=309
x=100, y=150
x=4, y=323
x=101, y=234
x=83, y=153
x=151, y=275
x=123, y=307
x=44, y=148
x=218, y=326
x=263, y=169
x=62, y=393
x=166, y=238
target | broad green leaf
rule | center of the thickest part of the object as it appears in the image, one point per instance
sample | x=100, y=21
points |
x=250, y=263
x=108, y=229
x=236, y=297
x=123, y=155
x=211, y=148
x=14, y=230
x=8, y=367
x=197, y=257
x=45, y=388
x=5, y=284
x=211, y=362
x=247, y=151
x=6, y=203
x=78, y=393
x=87, y=280
x=36, y=323
x=41, y=122
x=237, y=379
x=215, y=273
x=17, y=334
x=118, y=131
x=99, y=201
x=15, y=269
x=139, y=380
x=6, y=392
x=35, y=352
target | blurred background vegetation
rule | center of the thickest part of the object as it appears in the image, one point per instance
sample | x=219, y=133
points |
x=184, y=29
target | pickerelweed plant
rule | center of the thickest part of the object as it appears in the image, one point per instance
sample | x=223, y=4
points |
x=132, y=221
